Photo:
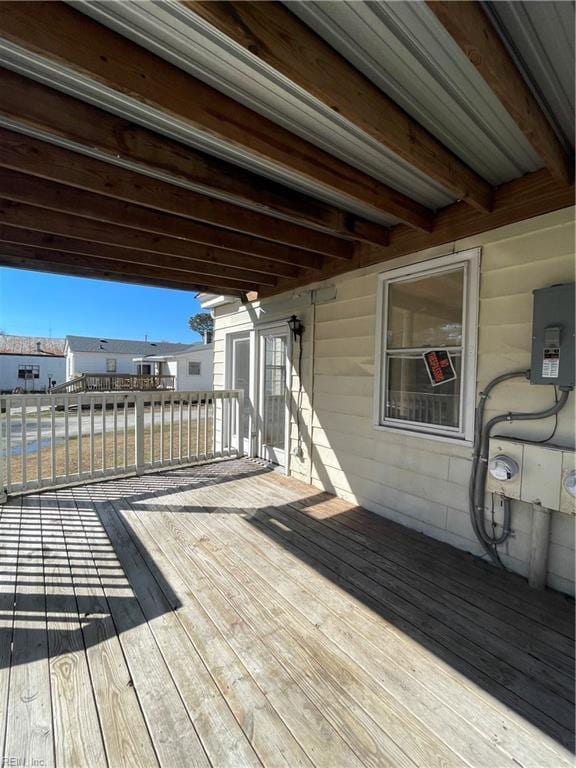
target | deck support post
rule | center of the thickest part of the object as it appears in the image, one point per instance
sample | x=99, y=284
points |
x=139, y=432
x=539, y=546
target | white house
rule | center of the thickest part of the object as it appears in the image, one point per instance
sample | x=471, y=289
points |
x=190, y=364
x=30, y=363
x=192, y=368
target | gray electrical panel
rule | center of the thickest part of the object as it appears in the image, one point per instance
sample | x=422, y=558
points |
x=553, y=342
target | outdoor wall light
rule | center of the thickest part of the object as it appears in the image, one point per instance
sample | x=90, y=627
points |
x=503, y=467
x=296, y=326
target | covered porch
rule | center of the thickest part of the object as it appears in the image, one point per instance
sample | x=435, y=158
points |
x=226, y=615
x=284, y=159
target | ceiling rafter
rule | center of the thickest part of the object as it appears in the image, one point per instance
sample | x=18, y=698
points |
x=48, y=242
x=470, y=27
x=72, y=270
x=206, y=259
x=524, y=198
x=32, y=190
x=60, y=34
x=35, y=107
x=275, y=35
x=39, y=158
x=55, y=258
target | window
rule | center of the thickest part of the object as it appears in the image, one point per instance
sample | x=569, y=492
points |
x=111, y=365
x=427, y=346
x=194, y=368
x=28, y=371
x=145, y=369
x=275, y=366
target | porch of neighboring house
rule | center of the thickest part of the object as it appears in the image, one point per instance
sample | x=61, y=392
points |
x=226, y=615
x=115, y=382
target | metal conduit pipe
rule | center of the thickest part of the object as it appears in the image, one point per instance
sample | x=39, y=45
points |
x=487, y=542
x=480, y=462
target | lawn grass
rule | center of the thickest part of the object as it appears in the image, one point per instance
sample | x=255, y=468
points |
x=104, y=452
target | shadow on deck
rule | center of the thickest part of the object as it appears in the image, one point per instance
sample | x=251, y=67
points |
x=229, y=612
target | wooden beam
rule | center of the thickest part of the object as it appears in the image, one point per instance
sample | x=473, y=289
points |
x=41, y=220
x=35, y=265
x=369, y=232
x=275, y=35
x=32, y=190
x=189, y=280
x=468, y=24
x=532, y=195
x=39, y=158
x=48, y=242
x=65, y=36
x=34, y=107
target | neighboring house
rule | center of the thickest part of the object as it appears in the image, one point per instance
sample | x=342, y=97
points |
x=30, y=363
x=190, y=364
x=192, y=368
x=366, y=423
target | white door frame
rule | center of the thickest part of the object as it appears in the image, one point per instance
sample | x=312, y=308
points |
x=275, y=328
x=229, y=371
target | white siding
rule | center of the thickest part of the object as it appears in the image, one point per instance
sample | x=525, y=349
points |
x=202, y=382
x=50, y=368
x=95, y=362
x=415, y=480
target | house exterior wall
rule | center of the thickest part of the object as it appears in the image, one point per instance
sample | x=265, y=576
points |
x=204, y=381
x=53, y=368
x=78, y=363
x=95, y=362
x=415, y=480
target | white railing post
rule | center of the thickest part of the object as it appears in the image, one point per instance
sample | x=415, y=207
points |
x=240, y=422
x=139, y=432
x=4, y=458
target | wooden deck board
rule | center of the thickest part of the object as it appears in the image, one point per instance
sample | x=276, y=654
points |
x=77, y=734
x=226, y=616
x=285, y=535
x=29, y=724
x=322, y=659
x=298, y=672
x=173, y=734
x=126, y=738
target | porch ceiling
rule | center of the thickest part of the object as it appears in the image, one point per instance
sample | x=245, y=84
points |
x=253, y=147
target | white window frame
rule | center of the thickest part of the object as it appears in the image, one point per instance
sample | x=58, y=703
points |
x=109, y=368
x=34, y=370
x=195, y=362
x=470, y=261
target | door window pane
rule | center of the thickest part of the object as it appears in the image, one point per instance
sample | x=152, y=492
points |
x=242, y=378
x=274, y=386
x=426, y=312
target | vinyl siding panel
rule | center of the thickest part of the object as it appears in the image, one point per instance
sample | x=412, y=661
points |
x=414, y=480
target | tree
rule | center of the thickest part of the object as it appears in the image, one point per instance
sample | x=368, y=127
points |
x=203, y=324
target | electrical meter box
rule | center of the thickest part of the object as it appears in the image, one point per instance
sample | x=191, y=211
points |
x=553, y=342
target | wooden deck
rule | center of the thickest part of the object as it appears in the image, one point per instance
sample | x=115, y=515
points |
x=226, y=616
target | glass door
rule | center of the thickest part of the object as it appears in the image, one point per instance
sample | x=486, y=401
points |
x=273, y=396
x=240, y=379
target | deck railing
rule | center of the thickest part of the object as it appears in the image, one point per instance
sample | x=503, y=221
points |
x=56, y=440
x=115, y=382
x=427, y=408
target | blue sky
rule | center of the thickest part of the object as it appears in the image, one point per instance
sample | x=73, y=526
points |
x=40, y=304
